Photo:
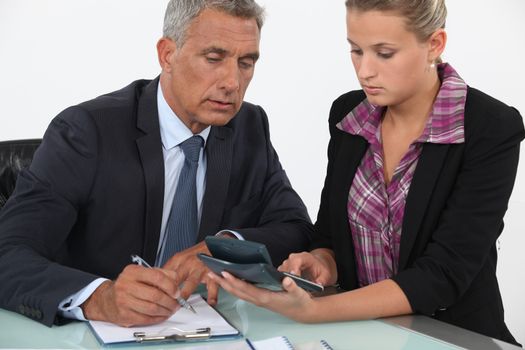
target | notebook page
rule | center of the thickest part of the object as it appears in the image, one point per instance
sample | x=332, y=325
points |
x=275, y=343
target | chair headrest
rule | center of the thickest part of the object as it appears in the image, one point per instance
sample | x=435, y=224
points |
x=14, y=156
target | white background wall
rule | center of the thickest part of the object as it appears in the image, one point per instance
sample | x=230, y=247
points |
x=55, y=53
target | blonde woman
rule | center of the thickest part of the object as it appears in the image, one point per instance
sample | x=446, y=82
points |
x=420, y=171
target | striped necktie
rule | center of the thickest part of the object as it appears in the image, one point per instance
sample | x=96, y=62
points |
x=181, y=229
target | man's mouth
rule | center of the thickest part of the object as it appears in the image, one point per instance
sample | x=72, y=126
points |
x=221, y=104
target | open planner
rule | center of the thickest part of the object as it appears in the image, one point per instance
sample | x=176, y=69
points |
x=205, y=324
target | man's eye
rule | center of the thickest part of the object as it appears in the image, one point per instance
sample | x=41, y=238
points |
x=213, y=59
x=246, y=64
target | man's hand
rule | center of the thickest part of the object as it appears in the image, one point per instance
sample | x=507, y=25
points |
x=190, y=271
x=139, y=296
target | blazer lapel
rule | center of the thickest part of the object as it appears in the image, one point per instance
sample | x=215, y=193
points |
x=347, y=159
x=219, y=152
x=150, y=150
x=419, y=195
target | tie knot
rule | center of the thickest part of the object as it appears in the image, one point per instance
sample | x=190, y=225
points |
x=192, y=147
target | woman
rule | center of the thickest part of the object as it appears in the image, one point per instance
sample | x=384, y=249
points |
x=420, y=171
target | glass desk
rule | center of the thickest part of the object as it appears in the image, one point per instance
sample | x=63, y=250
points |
x=406, y=332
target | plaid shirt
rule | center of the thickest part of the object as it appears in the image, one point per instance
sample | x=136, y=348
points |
x=376, y=210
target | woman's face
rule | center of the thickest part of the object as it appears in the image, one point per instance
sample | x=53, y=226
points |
x=391, y=64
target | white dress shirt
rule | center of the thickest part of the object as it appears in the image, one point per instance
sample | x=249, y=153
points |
x=172, y=132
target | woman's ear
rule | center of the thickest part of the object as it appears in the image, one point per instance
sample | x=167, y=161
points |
x=436, y=44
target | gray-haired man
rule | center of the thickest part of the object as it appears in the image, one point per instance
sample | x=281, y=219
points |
x=103, y=184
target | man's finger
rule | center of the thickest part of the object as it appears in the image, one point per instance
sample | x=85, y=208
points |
x=155, y=302
x=189, y=287
x=151, y=308
x=169, y=283
x=213, y=290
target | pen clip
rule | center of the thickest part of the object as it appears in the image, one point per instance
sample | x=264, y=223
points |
x=198, y=334
x=139, y=261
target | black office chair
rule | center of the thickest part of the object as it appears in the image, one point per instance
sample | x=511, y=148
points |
x=14, y=156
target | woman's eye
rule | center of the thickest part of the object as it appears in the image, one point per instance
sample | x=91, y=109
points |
x=385, y=55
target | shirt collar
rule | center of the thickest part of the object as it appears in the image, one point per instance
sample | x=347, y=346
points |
x=446, y=123
x=172, y=130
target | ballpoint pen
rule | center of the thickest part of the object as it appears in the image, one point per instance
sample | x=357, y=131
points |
x=183, y=302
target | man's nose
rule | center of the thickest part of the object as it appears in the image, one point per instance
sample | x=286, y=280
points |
x=230, y=80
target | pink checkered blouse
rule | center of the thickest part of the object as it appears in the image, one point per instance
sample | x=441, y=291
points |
x=375, y=210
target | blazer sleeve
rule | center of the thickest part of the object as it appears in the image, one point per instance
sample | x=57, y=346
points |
x=283, y=224
x=38, y=217
x=462, y=242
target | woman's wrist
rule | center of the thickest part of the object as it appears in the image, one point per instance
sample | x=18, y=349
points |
x=312, y=310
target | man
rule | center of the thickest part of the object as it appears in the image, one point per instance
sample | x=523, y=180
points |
x=111, y=179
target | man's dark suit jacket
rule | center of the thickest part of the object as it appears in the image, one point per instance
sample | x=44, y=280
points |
x=94, y=193
x=453, y=215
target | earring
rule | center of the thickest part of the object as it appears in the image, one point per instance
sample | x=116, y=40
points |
x=432, y=65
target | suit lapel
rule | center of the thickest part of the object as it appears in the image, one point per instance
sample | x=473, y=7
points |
x=150, y=150
x=425, y=177
x=219, y=151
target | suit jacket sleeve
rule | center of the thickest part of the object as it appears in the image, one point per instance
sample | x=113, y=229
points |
x=38, y=218
x=281, y=220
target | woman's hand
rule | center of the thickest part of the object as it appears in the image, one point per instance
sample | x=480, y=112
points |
x=318, y=266
x=292, y=302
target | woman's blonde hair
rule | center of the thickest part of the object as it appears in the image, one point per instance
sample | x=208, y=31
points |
x=423, y=17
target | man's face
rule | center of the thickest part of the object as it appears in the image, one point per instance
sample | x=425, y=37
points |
x=204, y=81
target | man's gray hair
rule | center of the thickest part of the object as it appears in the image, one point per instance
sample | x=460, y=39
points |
x=180, y=13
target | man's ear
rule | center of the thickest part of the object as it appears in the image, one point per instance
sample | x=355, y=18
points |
x=166, y=49
x=436, y=44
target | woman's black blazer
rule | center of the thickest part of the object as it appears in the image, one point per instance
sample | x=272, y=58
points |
x=453, y=214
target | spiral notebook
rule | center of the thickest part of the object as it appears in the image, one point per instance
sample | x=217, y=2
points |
x=283, y=343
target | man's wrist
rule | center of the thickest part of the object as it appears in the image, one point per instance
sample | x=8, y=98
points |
x=93, y=307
